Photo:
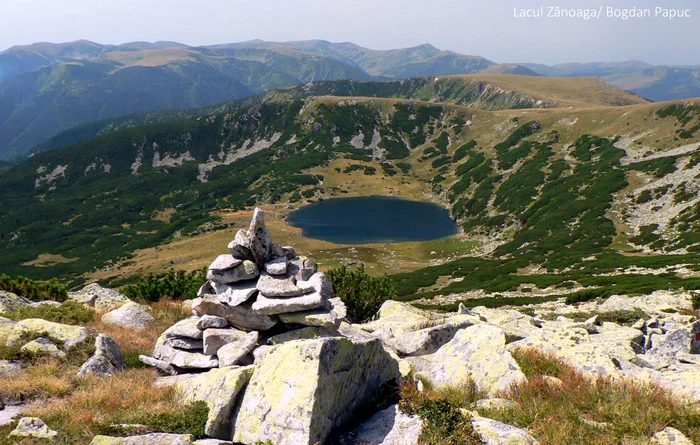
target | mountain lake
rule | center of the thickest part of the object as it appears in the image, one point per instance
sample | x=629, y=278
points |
x=373, y=219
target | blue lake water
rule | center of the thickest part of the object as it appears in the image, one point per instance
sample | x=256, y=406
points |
x=373, y=219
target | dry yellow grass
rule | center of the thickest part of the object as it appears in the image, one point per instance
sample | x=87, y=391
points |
x=49, y=377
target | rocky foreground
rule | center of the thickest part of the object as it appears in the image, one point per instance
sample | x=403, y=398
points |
x=274, y=358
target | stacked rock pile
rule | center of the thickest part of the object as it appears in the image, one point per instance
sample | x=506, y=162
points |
x=260, y=293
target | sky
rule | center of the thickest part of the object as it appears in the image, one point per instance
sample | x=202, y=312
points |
x=475, y=27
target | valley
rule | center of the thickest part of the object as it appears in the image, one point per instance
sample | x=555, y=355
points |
x=597, y=190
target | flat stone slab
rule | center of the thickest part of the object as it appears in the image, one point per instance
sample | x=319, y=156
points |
x=279, y=286
x=225, y=262
x=247, y=270
x=241, y=316
x=68, y=334
x=273, y=306
x=148, y=439
x=183, y=359
x=184, y=343
x=185, y=328
x=161, y=365
x=236, y=293
x=211, y=321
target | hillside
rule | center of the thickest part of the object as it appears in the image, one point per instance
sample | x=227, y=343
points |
x=488, y=92
x=570, y=193
x=657, y=83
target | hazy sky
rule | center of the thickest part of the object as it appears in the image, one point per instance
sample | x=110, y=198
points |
x=485, y=28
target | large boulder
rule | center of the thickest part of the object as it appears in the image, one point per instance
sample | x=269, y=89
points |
x=107, y=359
x=575, y=346
x=655, y=303
x=301, y=390
x=33, y=427
x=131, y=315
x=477, y=353
x=219, y=388
x=387, y=427
x=68, y=334
x=241, y=316
x=10, y=302
x=101, y=298
x=147, y=439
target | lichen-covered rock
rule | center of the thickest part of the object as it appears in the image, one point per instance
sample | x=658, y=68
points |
x=396, y=318
x=107, y=359
x=515, y=324
x=428, y=340
x=219, y=388
x=216, y=338
x=148, y=439
x=247, y=270
x=273, y=306
x=185, y=328
x=131, y=315
x=476, y=353
x=656, y=302
x=241, y=316
x=279, y=286
x=682, y=379
x=574, y=346
x=6, y=328
x=301, y=390
x=183, y=359
x=665, y=348
x=69, y=335
x=498, y=433
x=387, y=427
x=101, y=298
x=10, y=302
x=33, y=427
x=670, y=436
x=236, y=293
x=42, y=347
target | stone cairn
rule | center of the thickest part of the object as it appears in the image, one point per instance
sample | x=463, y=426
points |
x=259, y=294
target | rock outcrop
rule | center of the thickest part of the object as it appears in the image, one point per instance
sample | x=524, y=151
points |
x=107, y=359
x=101, y=298
x=10, y=302
x=130, y=315
x=33, y=427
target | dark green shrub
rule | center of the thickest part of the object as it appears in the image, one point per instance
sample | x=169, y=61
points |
x=586, y=295
x=33, y=290
x=362, y=293
x=176, y=285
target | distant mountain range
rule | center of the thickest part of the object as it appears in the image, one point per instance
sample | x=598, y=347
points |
x=46, y=88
